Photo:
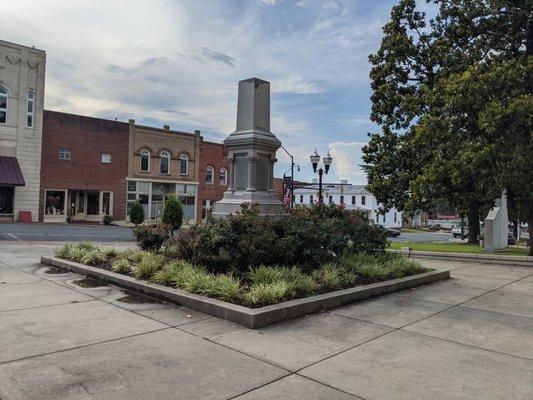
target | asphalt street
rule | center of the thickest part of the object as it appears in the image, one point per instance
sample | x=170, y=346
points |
x=423, y=237
x=64, y=233
x=99, y=233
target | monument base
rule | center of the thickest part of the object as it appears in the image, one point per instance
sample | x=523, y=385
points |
x=267, y=202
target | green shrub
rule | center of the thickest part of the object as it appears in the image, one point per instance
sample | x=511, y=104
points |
x=137, y=213
x=168, y=273
x=173, y=213
x=121, y=265
x=306, y=236
x=150, y=238
x=264, y=294
x=149, y=265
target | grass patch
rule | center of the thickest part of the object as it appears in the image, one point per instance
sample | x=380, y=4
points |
x=455, y=248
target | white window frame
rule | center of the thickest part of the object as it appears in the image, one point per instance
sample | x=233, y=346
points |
x=4, y=93
x=145, y=152
x=164, y=154
x=212, y=180
x=363, y=200
x=225, y=172
x=64, y=154
x=103, y=159
x=184, y=157
x=30, y=100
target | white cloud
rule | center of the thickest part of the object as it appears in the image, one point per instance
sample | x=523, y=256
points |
x=347, y=161
x=179, y=62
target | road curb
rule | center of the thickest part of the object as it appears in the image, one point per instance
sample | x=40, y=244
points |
x=523, y=261
x=250, y=317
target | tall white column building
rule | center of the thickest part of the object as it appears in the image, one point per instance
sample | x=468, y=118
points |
x=353, y=197
x=22, y=75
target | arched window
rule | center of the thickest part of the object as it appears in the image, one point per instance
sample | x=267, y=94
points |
x=223, y=176
x=3, y=104
x=164, y=160
x=184, y=164
x=145, y=160
x=209, y=172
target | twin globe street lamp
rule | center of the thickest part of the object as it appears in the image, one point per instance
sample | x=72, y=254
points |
x=315, y=159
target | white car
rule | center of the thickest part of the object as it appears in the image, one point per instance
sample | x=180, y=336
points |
x=456, y=231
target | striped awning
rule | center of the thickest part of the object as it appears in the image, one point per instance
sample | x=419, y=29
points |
x=10, y=173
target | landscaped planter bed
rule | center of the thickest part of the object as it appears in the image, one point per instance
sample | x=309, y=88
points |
x=250, y=317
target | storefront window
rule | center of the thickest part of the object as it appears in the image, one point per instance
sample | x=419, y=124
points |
x=6, y=199
x=55, y=202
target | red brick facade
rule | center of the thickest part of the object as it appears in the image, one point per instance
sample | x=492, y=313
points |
x=87, y=139
x=211, y=155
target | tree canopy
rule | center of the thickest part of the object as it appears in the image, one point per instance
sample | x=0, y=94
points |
x=453, y=94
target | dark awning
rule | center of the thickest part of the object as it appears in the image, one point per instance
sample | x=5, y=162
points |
x=10, y=173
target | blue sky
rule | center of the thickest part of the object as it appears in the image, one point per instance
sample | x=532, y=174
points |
x=178, y=63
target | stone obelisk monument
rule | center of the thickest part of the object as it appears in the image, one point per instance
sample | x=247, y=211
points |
x=252, y=153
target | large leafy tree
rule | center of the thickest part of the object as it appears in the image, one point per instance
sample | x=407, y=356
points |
x=454, y=129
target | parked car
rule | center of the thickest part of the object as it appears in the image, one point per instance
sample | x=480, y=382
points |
x=390, y=232
x=456, y=232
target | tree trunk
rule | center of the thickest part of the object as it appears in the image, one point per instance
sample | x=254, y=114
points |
x=473, y=224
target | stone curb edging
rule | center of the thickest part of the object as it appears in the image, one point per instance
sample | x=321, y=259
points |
x=250, y=317
x=524, y=261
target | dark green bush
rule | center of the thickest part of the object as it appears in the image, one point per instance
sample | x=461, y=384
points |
x=173, y=213
x=150, y=238
x=137, y=213
x=307, y=237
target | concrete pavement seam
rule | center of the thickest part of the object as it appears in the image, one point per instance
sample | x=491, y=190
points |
x=401, y=327
x=83, y=346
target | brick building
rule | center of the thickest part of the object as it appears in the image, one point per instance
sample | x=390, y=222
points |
x=84, y=168
x=162, y=163
x=213, y=176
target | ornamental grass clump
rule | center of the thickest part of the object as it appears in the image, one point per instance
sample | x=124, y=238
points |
x=150, y=263
x=264, y=294
x=167, y=274
x=399, y=267
x=329, y=276
x=122, y=266
x=132, y=255
x=93, y=257
x=64, y=251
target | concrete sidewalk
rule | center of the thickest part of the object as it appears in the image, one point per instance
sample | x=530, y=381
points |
x=467, y=338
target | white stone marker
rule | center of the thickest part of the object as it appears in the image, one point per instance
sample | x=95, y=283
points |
x=252, y=153
x=497, y=226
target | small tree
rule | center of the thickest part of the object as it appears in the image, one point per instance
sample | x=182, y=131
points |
x=137, y=213
x=173, y=213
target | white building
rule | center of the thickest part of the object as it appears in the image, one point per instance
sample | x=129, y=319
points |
x=22, y=72
x=354, y=197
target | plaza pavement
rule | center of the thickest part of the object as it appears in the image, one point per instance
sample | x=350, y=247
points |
x=467, y=338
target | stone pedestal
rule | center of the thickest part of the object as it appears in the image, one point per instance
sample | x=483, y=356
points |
x=252, y=153
x=497, y=226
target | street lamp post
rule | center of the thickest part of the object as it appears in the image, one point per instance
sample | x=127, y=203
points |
x=292, y=175
x=315, y=159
